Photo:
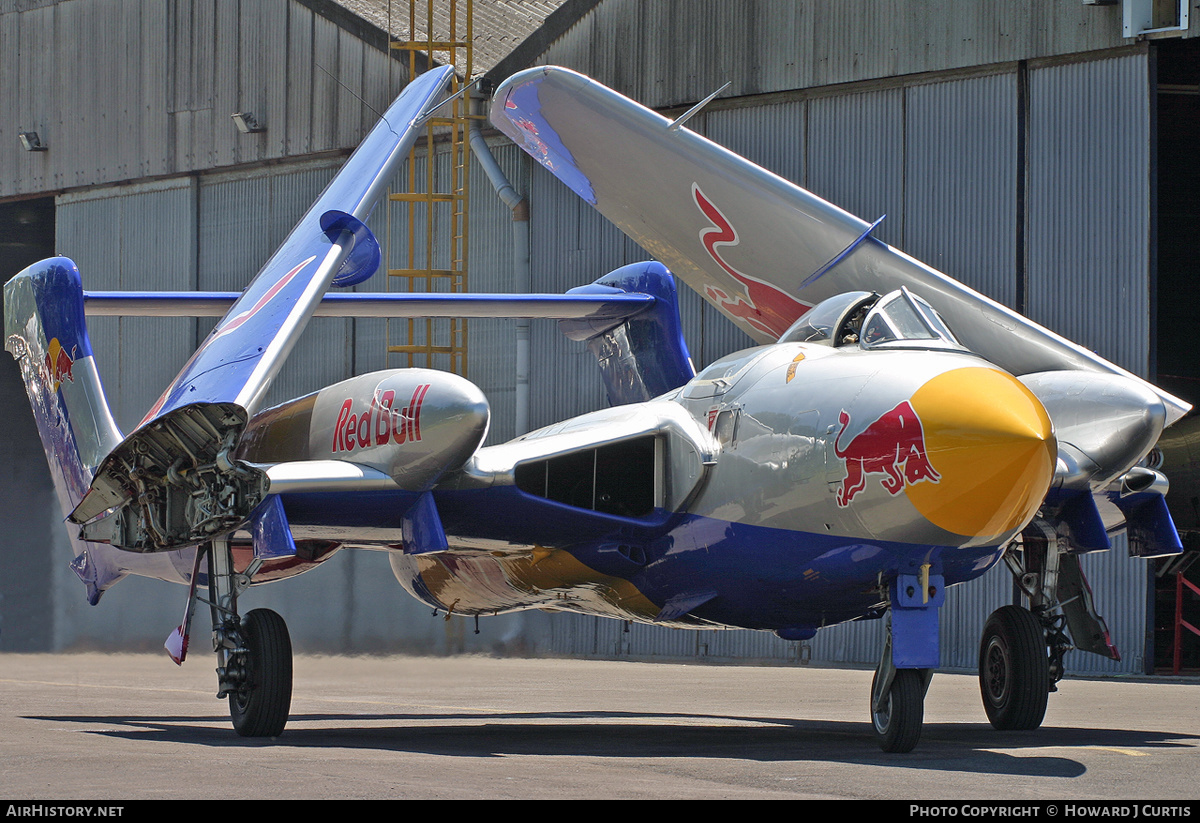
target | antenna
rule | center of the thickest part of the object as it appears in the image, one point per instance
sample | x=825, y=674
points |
x=687, y=115
x=347, y=88
x=456, y=95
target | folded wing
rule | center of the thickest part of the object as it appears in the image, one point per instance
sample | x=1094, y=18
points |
x=747, y=240
x=241, y=356
x=174, y=481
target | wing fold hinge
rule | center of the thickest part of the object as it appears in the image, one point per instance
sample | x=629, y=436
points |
x=173, y=483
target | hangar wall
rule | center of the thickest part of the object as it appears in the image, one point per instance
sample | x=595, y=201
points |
x=674, y=52
x=123, y=89
x=966, y=151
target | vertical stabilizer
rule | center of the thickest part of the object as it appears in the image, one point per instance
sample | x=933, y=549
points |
x=641, y=356
x=45, y=331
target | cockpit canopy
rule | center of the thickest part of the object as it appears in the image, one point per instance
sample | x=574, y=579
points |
x=899, y=319
x=832, y=321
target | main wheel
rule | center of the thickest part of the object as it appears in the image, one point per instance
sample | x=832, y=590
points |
x=260, y=707
x=898, y=723
x=1014, y=669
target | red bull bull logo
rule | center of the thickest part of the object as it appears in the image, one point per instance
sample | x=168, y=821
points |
x=893, y=445
x=380, y=423
x=59, y=364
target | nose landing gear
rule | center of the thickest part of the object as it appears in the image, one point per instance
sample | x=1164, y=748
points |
x=898, y=695
x=898, y=712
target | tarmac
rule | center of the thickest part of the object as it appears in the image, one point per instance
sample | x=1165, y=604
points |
x=134, y=726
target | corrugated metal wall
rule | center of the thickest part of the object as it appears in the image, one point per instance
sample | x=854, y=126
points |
x=960, y=192
x=146, y=89
x=1088, y=219
x=672, y=52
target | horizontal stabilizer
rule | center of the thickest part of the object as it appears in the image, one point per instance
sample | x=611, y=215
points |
x=375, y=304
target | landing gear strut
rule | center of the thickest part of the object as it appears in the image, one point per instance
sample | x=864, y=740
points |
x=254, y=653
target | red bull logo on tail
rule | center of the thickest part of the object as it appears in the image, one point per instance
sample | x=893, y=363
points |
x=58, y=364
x=893, y=445
x=379, y=423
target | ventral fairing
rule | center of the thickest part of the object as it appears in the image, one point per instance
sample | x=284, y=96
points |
x=892, y=434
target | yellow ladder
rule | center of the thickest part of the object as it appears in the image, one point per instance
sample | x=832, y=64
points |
x=440, y=202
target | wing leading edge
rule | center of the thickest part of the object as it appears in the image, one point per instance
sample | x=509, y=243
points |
x=330, y=241
x=746, y=239
x=174, y=481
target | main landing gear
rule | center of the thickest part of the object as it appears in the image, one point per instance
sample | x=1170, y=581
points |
x=1014, y=669
x=254, y=653
x=1022, y=650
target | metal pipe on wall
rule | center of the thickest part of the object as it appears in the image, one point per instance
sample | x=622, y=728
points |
x=522, y=273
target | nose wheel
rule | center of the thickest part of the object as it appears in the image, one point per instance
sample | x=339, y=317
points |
x=897, y=715
x=897, y=700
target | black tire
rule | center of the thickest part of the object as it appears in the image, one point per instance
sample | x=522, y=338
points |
x=261, y=709
x=898, y=725
x=1014, y=669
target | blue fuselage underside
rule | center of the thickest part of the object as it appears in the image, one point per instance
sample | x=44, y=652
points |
x=754, y=576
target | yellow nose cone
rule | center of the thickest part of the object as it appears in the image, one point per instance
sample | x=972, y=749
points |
x=992, y=444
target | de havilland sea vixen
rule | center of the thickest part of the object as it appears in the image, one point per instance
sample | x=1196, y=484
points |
x=894, y=432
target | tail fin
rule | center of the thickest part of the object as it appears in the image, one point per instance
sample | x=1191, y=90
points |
x=46, y=332
x=642, y=356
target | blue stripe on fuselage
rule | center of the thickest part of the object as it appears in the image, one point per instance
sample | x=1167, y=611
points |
x=765, y=577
